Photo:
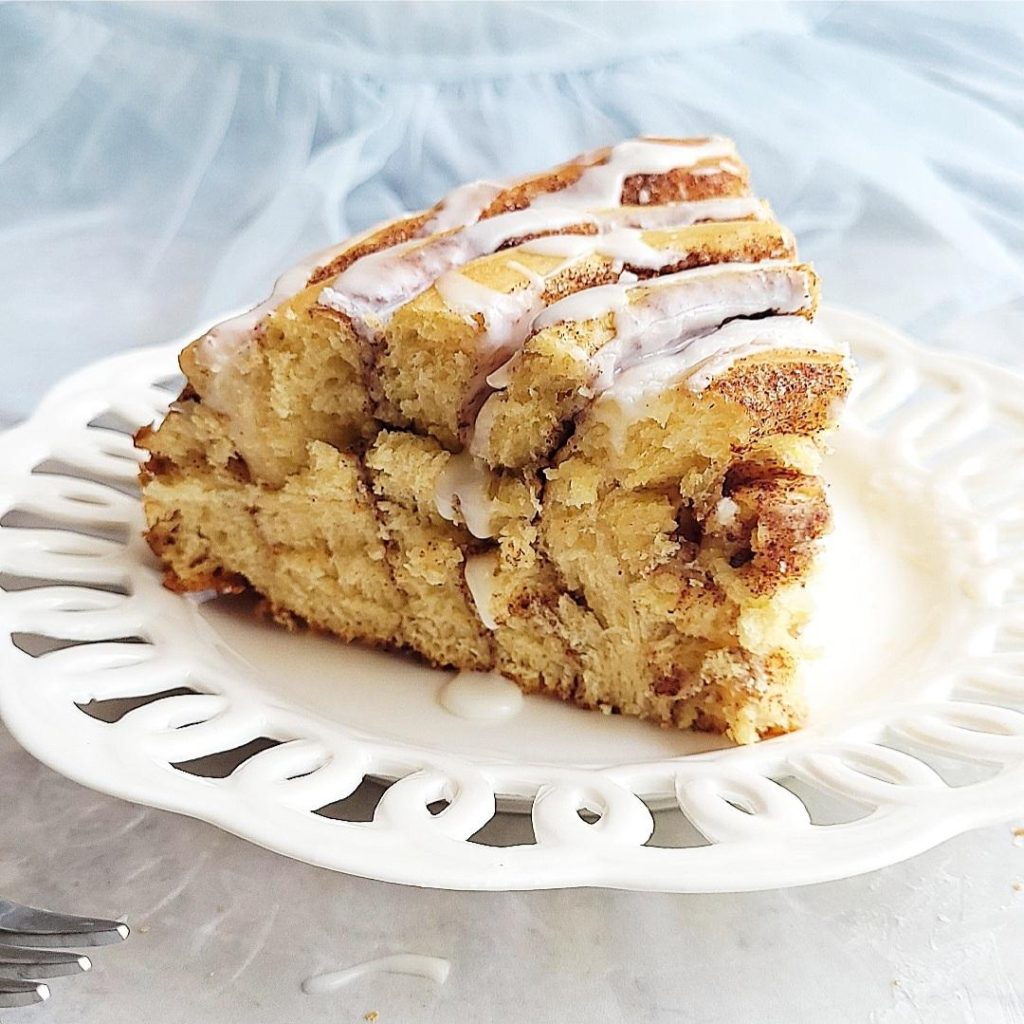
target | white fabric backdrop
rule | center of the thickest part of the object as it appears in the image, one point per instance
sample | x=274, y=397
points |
x=161, y=163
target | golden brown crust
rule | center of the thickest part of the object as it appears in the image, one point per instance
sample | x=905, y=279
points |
x=682, y=184
x=678, y=185
x=786, y=392
x=704, y=180
x=162, y=539
x=143, y=437
x=392, y=234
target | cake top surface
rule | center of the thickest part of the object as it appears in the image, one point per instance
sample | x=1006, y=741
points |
x=674, y=243
x=640, y=183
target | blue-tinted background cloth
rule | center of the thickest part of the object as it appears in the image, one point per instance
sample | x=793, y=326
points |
x=160, y=164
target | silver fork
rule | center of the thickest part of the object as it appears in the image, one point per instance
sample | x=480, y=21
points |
x=30, y=949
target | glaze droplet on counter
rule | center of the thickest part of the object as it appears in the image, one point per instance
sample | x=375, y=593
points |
x=435, y=968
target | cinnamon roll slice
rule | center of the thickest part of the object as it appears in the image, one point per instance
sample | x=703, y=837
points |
x=568, y=428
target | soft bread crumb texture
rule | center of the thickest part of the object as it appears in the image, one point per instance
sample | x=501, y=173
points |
x=656, y=569
x=630, y=592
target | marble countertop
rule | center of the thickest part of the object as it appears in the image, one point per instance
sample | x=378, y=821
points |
x=153, y=173
x=224, y=931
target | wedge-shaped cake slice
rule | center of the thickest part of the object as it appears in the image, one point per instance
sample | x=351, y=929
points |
x=568, y=428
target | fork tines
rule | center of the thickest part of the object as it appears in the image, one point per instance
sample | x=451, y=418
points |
x=29, y=941
x=23, y=993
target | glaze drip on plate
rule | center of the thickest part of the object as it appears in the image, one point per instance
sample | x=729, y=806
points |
x=481, y=697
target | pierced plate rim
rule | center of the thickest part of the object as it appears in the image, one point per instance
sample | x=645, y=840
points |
x=757, y=833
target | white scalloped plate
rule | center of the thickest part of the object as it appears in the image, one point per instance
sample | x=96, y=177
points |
x=917, y=731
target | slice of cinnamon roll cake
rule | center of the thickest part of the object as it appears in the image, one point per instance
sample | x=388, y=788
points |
x=567, y=428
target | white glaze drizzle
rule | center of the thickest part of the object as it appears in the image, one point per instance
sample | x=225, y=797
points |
x=378, y=283
x=698, y=362
x=375, y=285
x=601, y=184
x=434, y=968
x=221, y=343
x=371, y=288
x=463, y=205
x=480, y=437
x=462, y=489
x=507, y=316
x=662, y=316
x=659, y=318
x=622, y=245
x=224, y=341
x=683, y=214
x=502, y=376
x=479, y=572
x=388, y=273
x=481, y=696
x=510, y=317
x=710, y=357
